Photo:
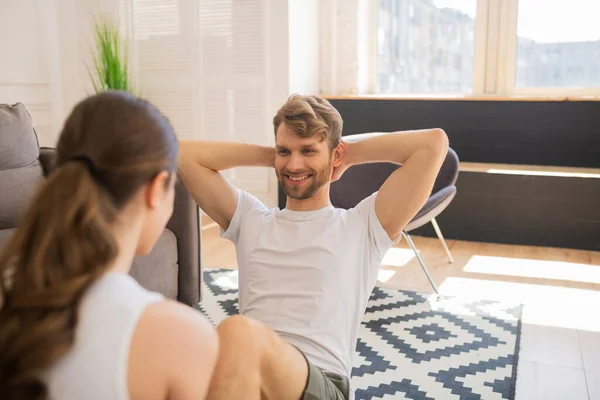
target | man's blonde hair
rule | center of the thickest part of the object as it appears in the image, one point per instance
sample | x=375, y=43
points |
x=310, y=115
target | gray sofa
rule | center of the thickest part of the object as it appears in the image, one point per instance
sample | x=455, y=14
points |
x=173, y=268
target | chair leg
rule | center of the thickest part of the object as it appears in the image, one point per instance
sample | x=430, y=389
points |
x=439, y=235
x=412, y=245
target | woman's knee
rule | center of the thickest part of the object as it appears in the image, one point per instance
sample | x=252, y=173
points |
x=237, y=330
x=234, y=325
x=244, y=333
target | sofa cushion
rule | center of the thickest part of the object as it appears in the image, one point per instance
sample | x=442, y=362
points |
x=18, y=141
x=17, y=187
x=158, y=270
x=20, y=170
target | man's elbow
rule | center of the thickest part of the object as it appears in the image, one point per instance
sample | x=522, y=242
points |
x=439, y=141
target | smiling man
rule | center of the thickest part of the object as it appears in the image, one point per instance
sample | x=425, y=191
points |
x=305, y=272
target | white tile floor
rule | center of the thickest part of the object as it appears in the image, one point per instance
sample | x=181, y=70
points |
x=559, y=357
x=558, y=363
x=590, y=348
x=560, y=351
x=551, y=346
x=592, y=378
x=542, y=381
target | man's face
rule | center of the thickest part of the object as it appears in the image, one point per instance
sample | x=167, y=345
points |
x=303, y=165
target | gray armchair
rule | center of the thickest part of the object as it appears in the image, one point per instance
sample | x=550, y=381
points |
x=361, y=181
x=173, y=268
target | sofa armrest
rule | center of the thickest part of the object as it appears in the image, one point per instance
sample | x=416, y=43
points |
x=47, y=159
x=185, y=224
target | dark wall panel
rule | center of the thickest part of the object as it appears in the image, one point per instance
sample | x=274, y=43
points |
x=529, y=210
x=516, y=209
x=511, y=132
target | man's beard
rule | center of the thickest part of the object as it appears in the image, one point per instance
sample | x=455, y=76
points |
x=307, y=190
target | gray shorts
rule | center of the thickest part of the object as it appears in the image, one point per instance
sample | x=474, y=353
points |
x=323, y=385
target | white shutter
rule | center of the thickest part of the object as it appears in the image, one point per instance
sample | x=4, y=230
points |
x=165, y=56
x=249, y=97
x=162, y=52
x=233, y=87
x=204, y=63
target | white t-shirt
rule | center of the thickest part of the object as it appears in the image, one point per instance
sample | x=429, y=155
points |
x=308, y=274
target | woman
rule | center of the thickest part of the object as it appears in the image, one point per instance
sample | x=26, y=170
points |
x=73, y=323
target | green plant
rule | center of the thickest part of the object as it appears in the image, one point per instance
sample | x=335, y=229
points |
x=110, y=59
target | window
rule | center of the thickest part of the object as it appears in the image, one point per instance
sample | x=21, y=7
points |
x=559, y=47
x=428, y=46
x=487, y=47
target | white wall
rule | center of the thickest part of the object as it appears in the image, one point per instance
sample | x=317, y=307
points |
x=30, y=63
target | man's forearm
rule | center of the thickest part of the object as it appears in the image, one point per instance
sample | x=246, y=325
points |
x=395, y=147
x=220, y=156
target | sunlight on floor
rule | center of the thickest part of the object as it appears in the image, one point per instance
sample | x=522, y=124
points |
x=384, y=275
x=544, y=269
x=545, y=305
x=397, y=257
x=229, y=281
x=543, y=173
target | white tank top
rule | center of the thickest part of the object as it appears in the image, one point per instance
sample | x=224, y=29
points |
x=96, y=366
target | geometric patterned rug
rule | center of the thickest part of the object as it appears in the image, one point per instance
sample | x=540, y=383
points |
x=415, y=346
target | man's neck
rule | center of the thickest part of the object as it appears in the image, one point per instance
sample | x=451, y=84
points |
x=319, y=200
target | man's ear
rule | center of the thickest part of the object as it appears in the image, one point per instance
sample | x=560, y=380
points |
x=156, y=189
x=338, y=154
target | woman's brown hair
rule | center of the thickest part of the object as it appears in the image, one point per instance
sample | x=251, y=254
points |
x=111, y=145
